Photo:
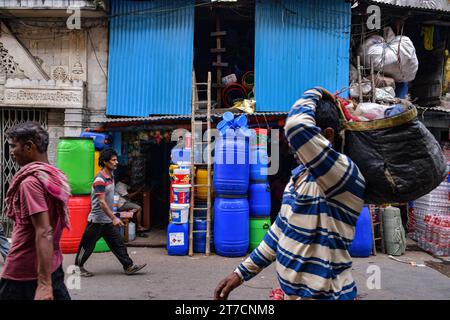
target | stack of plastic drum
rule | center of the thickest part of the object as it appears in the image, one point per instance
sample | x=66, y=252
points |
x=259, y=189
x=76, y=160
x=231, y=180
x=178, y=228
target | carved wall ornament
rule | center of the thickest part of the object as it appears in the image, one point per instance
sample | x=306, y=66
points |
x=8, y=65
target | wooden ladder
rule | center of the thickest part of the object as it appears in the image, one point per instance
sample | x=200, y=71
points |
x=219, y=64
x=194, y=107
x=372, y=210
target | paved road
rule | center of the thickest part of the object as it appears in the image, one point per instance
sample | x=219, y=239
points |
x=168, y=277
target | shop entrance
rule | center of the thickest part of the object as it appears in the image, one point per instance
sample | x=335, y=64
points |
x=224, y=43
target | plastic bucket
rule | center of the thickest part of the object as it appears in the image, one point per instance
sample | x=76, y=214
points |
x=180, y=213
x=181, y=193
x=181, y=176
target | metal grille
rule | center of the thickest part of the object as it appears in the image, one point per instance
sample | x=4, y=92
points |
x=8, y=119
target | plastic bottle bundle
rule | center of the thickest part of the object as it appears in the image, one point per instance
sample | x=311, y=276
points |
x=238, y=124
x=436, y=239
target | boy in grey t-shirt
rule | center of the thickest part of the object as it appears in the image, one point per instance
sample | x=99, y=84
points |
x=102, y=222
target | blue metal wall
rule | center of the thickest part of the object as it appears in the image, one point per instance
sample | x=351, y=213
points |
x=150, y=57
x=299, y=44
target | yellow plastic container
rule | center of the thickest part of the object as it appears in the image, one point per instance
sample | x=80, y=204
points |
x=201, y=177
x=97, y=168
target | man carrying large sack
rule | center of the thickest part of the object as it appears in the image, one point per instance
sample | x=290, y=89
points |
x=310, y=238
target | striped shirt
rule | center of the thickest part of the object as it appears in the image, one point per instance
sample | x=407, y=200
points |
x=103, y=184
x=315, y=227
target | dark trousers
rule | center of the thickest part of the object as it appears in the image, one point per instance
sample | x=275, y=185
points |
x=114, y=240
x=25, y=290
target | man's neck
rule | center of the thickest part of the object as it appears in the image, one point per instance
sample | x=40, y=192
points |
x=108, y=172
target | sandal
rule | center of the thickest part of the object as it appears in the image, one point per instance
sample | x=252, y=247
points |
x=134, y=268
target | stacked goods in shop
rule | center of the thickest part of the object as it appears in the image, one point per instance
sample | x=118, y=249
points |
x=178, y=228
x=259, y=189
x=432, y=218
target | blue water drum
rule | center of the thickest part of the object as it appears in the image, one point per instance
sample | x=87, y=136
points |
x=101, y=140
x=362, y=243
x=259, y=199
x=200, y=209
x=177, y=239
x=231, y=165
x=200, y=237
x=259, y=163
x=231, y=226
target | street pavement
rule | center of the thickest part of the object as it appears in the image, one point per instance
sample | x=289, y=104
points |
x=194, y=278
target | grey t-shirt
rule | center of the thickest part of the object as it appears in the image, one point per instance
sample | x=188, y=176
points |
x=102, y=185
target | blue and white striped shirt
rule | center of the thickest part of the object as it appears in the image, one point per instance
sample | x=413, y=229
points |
x=315, y=227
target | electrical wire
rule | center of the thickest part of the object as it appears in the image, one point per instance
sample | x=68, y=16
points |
x=95, y=53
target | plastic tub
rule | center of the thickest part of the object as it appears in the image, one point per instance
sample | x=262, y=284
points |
x=180, y=213
x=181, y=193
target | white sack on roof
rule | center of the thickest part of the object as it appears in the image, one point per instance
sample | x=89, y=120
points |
x=396, y=58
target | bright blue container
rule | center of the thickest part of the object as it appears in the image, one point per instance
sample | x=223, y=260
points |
x=259, y=163
x=362, y=243
x=231, y=226
x=259, y=199
x=177, y=239
x=101, y=140
x=231, y=165
x=200, y=237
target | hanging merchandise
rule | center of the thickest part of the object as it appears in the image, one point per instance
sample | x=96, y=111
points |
x=248, y=80
x=428, y=36
x=396, y=58
x=446, y=84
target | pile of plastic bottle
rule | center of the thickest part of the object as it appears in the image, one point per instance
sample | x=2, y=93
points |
x=429, y=220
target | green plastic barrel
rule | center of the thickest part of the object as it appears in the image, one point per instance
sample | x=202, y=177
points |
x=76, y=160
x=101, y=246
x=258, y=229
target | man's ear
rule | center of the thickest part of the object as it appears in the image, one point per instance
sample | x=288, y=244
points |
x=329, y=134
x=29, y=145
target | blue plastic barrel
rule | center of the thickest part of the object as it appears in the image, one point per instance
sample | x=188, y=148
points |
x=231, y=226
x=231, y=165
x=259, y=199
x=101, y=140
x=200, y=209
x=259, y=163
x=177, y=239
x=362, y=243
x=200, y=237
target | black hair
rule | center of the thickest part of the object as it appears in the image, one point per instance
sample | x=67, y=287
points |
x=105, y=156
x=327, y=115
x=30, y=130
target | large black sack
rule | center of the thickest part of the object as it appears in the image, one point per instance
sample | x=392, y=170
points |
x=398, y=157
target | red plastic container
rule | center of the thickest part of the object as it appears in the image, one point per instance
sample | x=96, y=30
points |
x=79, y=208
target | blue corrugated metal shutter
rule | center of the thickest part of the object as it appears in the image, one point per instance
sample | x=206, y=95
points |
x=150, y=57
x=299, y=44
